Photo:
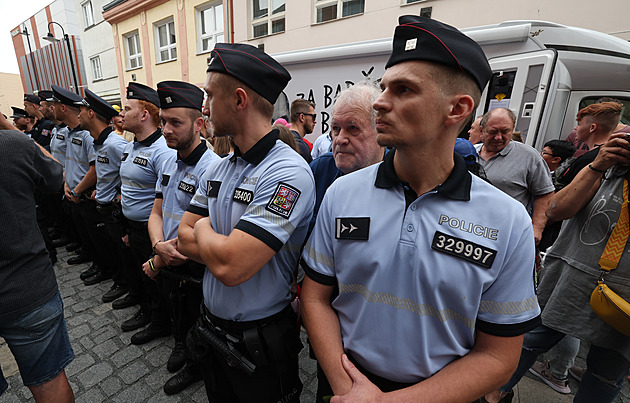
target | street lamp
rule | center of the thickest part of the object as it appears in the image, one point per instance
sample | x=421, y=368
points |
x=28, y=40
x=51, y=38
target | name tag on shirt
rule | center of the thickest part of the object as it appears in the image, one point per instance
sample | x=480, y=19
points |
x=355, y=228
x=186, y=187
x=140, y=161
x=61, y=137
x=77, y=141
x=213, y=188
x=102, y=160
x=243, y=196
x=463, y=249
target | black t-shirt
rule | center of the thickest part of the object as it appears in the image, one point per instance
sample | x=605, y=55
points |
x=41, y=132
x=577, y=166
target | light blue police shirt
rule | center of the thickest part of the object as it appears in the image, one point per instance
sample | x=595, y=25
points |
x=178, y=180
x=109, y=149
x=58, y=143
x=418, y=275
x=269, y=193
x=79, y=155
x=140, y=163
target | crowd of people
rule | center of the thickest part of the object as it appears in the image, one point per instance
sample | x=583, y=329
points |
x=415, y=253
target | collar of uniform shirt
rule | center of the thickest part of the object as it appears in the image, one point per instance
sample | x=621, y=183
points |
x=152, y=138
x=196, y=154
x=456, y=186
x=257, y=153
x=103, y=136
x=76, y=129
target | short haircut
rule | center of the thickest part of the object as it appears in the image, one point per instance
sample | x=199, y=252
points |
x=362, y=94
x=561, y=148
x=605, y=114
x=300, y=106
x=229, y=84
x=153, y=110
x=488, y=115
x=194, y=114
x=608, y=99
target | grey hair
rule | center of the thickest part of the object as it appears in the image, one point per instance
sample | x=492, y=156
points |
x=487, y=115
x=364, y=94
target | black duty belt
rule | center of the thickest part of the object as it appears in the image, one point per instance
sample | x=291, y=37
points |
x=141, y=225
x=238, y=327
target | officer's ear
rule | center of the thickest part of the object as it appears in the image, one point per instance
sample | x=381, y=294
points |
x=460, y=107
x=242, y=100
x=198, y=124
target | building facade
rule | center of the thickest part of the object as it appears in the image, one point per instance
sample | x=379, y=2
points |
x=98, y=50
x=42, y=63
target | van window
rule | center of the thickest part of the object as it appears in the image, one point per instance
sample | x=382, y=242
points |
x=625, y=113
x=500, y=90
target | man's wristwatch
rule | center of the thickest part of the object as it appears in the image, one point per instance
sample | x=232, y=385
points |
x=72, y=193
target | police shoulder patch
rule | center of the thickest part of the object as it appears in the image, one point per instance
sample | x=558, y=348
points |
x=213, y=188
x=283, y=200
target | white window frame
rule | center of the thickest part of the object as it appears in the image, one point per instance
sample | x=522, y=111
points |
x=268, y=19
x=319, y=4
x=170, y=47
x=97, y=70
x=135, y=56
x=88, y=13
x=216, y=35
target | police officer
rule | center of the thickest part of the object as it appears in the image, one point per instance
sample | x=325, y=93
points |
x=141, y=161
x=21, y=119
x=42, y=128
x=180, y=113
x=416, y=245
x=80, y=172
x=246, y=223
x=95, y=116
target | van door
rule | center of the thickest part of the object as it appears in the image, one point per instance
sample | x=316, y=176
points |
x=521, y=83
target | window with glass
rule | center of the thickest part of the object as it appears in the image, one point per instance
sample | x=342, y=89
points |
x=328, y=10
x=165, y=42
x=209, y=26
x=267, y=17
x=132, y=45
x=88, y=14
x=97, y=72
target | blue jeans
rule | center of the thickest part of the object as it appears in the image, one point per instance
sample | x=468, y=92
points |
x=39, y=342
x=606, y=369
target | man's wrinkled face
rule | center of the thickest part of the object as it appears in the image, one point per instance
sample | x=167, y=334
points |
x=474, y=134
x=497, y=133
x=353, y=136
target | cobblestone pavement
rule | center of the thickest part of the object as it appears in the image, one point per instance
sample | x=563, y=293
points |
x=108, y=368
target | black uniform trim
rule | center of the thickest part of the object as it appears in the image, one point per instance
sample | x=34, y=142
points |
x=260, y=233
x=198, y=210
x=159, y=196
x=152, y=138
x=318, y=277
x=103, y=136
x=257, y=153
x=76, y=129
x=511, y=330
x=456, y=186
x=196, y=154
x=92, y=162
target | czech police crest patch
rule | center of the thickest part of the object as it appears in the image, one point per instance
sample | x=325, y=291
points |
x=283, y=200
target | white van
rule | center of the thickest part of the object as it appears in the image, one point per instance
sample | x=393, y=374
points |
x=544, y=72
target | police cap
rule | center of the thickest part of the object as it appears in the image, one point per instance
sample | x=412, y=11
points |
x=45, y=95
x=99, y=105
x=251, y=66
x=19, y=113
x=178, y=94
x=32, y=98
x=419, y=38
x=143, y=93
x=65, y=96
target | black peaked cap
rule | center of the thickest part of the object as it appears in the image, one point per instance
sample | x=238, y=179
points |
x=252, y=67
x=99, y=105
x=419, y=38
